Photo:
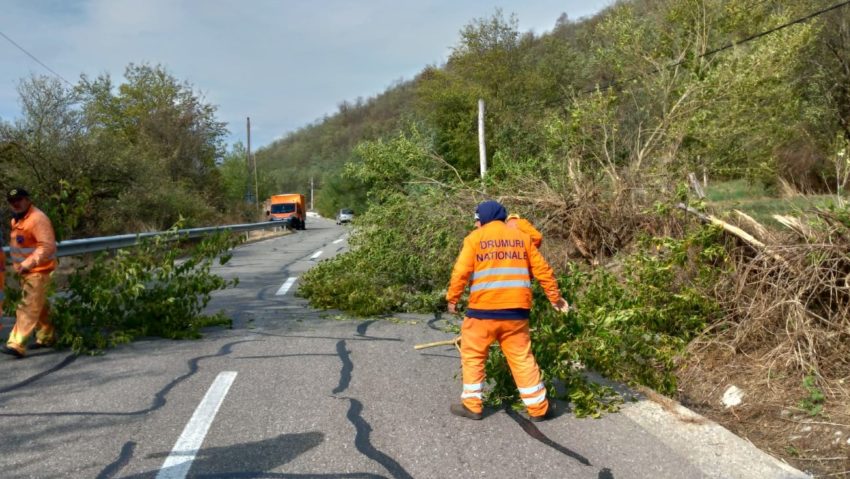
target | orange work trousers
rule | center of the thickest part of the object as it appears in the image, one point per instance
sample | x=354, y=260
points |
x=514, y=338
x=32, y=313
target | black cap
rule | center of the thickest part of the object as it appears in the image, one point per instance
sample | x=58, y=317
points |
x=16, y=194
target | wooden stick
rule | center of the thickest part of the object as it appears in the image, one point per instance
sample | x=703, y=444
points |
x=448, y=342
x=734, y=230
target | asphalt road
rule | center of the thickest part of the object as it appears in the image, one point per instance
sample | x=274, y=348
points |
x=291, y=392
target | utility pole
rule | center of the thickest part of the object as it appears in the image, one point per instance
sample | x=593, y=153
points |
x=482, y=150
x=252, y=161
x=311, y=194
x=248, y=161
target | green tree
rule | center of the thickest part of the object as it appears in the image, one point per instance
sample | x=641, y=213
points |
x=235, y=173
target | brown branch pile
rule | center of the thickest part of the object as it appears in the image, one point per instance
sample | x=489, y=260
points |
x=591, y=225
x=792, y=314
x=787, y=318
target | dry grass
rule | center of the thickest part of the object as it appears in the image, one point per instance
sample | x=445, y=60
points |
x=786, y=321
x=591, y=224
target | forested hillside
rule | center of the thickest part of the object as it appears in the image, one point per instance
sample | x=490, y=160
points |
x=653, y=80
x=321, y=150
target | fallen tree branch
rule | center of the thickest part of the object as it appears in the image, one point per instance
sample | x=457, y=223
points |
x=735, y=231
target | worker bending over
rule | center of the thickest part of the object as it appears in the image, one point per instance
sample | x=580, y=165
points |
x=499, y=261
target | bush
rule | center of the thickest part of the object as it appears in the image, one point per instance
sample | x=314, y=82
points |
x=405, y=244
x=145, y=291
x=632, y=330
x=400, y=260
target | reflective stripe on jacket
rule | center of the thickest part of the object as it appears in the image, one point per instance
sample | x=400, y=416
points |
x=498, y=262
x=526, y=227
x=33, y=243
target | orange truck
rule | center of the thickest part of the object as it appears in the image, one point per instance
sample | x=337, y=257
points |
x=289, y=208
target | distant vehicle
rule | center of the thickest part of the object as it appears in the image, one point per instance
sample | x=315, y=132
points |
x=288, y=208
x=345, y=215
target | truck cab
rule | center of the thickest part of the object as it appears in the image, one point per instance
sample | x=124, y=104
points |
x=288, y=208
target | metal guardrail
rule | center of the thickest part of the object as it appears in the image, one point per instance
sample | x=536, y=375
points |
x=105, y=243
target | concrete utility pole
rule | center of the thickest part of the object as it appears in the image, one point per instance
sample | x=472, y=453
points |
x=311, y=194
x=248, y=160
x=252, y=163
x=482, y=149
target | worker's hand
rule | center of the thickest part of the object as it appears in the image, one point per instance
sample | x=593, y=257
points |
x=562, y=305
x=452, y=308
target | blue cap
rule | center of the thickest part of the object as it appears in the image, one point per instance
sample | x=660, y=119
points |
x=491, y=211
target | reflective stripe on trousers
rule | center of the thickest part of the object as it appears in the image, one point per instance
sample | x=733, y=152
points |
x=515, y=340
x=32, y=313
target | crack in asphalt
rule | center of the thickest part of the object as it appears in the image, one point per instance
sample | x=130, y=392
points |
x=283, y=475
x=361, y=426
x=361, y=332
x=123, y=459
x=356, y=338
x=363, y=443
x=347, y=367
x=446, y=328
x=65, y=362
x=159, y=398
x=434, y=320
x=275, y=356
x=362, y=327
x=605, y=473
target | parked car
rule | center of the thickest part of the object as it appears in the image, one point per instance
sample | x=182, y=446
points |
x=345, y=215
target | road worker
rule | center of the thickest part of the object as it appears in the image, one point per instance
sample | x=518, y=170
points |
x=2, y=278
x=522, y=224
x=32, y=247
x=500, y=262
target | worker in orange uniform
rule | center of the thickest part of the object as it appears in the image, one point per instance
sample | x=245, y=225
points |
x=500, y=262
x=2, y=278
x=522, y=224
x=33, y=251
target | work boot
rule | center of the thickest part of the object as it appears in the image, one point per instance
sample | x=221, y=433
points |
x=462, y=411
x=11, y=351
x=551, y=412
x=37, y=345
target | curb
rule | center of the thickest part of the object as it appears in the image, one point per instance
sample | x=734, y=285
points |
x=710, y=447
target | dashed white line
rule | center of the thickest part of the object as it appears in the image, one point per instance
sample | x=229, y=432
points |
x=286, y=285
x=316, y=254
x=178, y=463
x=339, y=241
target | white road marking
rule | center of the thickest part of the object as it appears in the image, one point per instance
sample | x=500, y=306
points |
x=339, y=241
x=286, y=285
x=178, y=463
x=316, y=254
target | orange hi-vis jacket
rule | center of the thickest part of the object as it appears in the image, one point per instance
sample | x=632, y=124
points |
x=522, y=224
x=33, y=243
x=500, y=261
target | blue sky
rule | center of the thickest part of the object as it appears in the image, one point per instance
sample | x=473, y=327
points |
x=284, y=63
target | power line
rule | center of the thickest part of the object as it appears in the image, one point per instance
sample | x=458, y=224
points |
x=772, y=30
x=735, y=43
x=709, y=53
x=34, y=58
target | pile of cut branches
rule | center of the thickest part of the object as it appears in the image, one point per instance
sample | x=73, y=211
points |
x=784, y=340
